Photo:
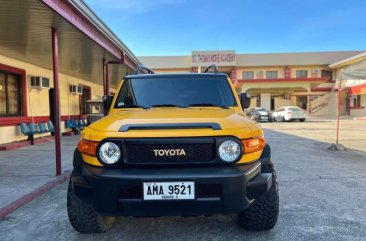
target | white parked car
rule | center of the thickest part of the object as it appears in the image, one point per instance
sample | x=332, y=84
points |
x=289, y=113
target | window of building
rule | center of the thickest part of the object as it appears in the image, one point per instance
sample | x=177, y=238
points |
x=248, y=75
x=328, y=74
x=301, y=73
x=259, y=74
x=271, y=74
x=357, y=101
x=10, y=104
x=315, y=73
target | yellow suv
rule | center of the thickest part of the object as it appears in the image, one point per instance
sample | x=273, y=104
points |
x=173, y=144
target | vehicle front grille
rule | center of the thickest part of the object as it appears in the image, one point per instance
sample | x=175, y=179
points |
x=146, y=153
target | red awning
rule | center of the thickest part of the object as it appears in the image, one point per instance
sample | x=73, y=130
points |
x=356, y=90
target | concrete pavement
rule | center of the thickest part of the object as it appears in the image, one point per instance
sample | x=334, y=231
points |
x=25, y=169
x=322, y=197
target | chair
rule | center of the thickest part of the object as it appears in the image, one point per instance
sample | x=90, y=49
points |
x=85, y=122
x=28, y=131
x=80, y=124
x=46, y=127
x=72, y=125
x=51, y=128
x=42, y=128
x=33, y=128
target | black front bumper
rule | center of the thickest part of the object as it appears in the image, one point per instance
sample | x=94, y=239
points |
x=226, y=190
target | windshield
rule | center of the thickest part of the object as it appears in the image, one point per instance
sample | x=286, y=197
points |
x=171, y=92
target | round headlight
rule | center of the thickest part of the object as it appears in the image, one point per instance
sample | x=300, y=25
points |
x=229, y=151
x=109, y=153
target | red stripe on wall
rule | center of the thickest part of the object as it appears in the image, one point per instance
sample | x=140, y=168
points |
x=13, y=121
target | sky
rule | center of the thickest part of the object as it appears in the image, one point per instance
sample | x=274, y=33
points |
x=177, y=27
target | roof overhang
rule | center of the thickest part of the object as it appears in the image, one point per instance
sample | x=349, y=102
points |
x=84, y=40
x=358, y=89
x=349, y=61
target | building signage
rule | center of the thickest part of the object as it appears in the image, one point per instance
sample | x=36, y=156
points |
x=220, y=58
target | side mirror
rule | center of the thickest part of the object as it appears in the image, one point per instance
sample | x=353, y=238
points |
x=245, y=100
x=107, y=102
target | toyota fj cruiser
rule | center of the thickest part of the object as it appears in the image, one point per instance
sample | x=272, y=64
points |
x=173, y=144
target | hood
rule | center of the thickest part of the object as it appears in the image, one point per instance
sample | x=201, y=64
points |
x=226, y=118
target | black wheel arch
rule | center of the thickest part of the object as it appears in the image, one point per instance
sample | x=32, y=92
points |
x=77, y=161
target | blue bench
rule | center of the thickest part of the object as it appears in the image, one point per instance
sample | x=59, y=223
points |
x=42, y=128
x=75, y=125
x=51, y=128
x=29, y=131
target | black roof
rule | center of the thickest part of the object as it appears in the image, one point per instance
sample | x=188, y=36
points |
x=176, y=75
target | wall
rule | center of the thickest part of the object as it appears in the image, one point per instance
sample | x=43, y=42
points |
x=358, y=112
x=266, y=101
x=38, y=99
x=279, y=102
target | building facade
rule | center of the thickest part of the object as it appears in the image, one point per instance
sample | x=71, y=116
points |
x=305, y=79
x=48, y=42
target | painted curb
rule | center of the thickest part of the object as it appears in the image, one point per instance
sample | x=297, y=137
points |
x=4, y=211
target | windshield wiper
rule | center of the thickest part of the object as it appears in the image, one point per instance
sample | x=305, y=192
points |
x=208, y=104
x=134, y=106
x=167, y=105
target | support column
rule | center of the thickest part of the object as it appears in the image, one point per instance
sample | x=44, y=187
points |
x=338, y=108
x=106, y=79
x=56, y=101
x=104, y=85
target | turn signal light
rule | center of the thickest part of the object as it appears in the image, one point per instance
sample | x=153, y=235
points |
x=253, y=144
x=88, y=147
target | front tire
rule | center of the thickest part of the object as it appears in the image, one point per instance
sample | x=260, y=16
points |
x=302, y=120
x=82, y=215
x=263, y=213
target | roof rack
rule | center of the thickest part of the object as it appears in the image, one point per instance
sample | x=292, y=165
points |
x=213, y=67
x=142, y=67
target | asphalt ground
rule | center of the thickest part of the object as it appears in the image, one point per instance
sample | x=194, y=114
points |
x=322, y=197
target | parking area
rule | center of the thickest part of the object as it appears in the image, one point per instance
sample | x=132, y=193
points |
x=352, y=134
x=322, y=197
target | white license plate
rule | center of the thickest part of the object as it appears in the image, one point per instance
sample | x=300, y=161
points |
x=169, y=190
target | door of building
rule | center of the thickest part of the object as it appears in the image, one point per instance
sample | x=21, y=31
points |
x=302, y=102
x=85, y=96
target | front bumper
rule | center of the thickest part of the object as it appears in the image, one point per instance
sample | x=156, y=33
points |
x=264, y=118
x=226, y=190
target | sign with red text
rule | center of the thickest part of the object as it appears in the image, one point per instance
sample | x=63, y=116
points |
x=220, y=58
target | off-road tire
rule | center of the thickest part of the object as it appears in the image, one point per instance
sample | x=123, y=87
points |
x=82, y=215
x=302, y=120
x=263, y=212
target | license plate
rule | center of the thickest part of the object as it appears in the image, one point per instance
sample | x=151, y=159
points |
x=169, y=190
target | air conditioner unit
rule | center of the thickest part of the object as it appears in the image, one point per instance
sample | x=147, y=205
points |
x=40, y=82
x=76, y=89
